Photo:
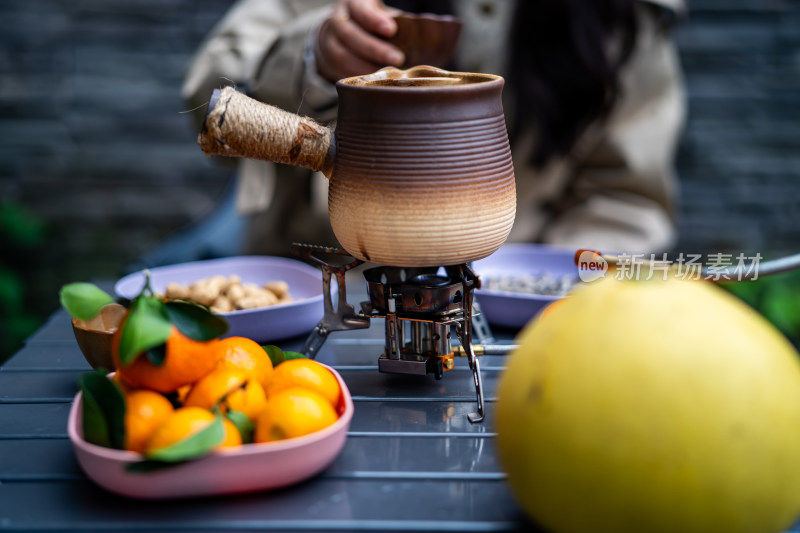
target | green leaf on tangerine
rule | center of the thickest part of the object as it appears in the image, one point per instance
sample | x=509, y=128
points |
x=275, y=354
x=278, y=356
x=83, y=300
x=243, y=424
x=103, y=415
x=147, y=326
x=193, y=446
x=293, y=355
x=95, y=428
x=196, y=322
x=157, y=354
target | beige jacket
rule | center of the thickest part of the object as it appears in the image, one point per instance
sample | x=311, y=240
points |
x=616, y=192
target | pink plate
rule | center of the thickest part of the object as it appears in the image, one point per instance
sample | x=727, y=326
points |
x=253, y=467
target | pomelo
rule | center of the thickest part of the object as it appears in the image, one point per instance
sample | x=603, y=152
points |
x=652, y=406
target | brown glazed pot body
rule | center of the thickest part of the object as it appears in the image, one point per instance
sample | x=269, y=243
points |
x=419, y=165
x=422, y=172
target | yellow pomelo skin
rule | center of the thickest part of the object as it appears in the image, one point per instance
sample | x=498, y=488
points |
x=650, y=406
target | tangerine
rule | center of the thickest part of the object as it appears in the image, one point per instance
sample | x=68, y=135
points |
x=228, y=389
x=123, y=385
x=308, y=374
x=145, y=410
x=232, y=436
x=183, y=392
x=247, y=355
x=185, y=422
x=293, y=412
x=186, y=361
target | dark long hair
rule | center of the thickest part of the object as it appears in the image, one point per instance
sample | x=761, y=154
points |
x=564, y=70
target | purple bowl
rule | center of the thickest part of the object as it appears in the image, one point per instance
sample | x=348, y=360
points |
x=513, y=309
x=265, y=324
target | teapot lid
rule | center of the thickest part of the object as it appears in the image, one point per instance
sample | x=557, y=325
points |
x=418, y=95
x=419, y=76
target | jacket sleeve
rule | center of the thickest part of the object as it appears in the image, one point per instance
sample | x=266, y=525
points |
x=622, y=193
x=260, y=46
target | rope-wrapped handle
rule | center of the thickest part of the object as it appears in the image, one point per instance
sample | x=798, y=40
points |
x=239, y=126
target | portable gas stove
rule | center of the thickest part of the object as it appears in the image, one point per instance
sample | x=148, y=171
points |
x=421, y=306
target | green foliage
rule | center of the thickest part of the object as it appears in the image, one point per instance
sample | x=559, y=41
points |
x=83, y=300
x=20, y=226
x=157, y=354
x=278, y=356
x=21, y=237
x=16, y=322
x=196, y=322
x=147, y=326
x=776, y=297
x=18, y=327
x=11, y=291
x=243, y=424
x=193, y=446
x=103, y=411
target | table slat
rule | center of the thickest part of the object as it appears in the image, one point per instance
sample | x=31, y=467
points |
x=322, y=504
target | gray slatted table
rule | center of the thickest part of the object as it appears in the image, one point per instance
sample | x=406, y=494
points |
x=412, y=461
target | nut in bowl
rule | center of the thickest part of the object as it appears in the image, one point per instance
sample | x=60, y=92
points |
x=246, y=468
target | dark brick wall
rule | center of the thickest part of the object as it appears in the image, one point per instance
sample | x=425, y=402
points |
x=92, y=138
x=739, y=160
x=93, y=142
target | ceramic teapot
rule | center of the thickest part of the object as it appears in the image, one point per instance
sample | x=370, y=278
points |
x=419, y=163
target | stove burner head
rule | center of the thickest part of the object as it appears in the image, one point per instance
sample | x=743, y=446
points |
x=404, y=290
x=430, y=280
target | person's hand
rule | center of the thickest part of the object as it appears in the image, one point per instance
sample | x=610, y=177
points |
x=351, y=41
